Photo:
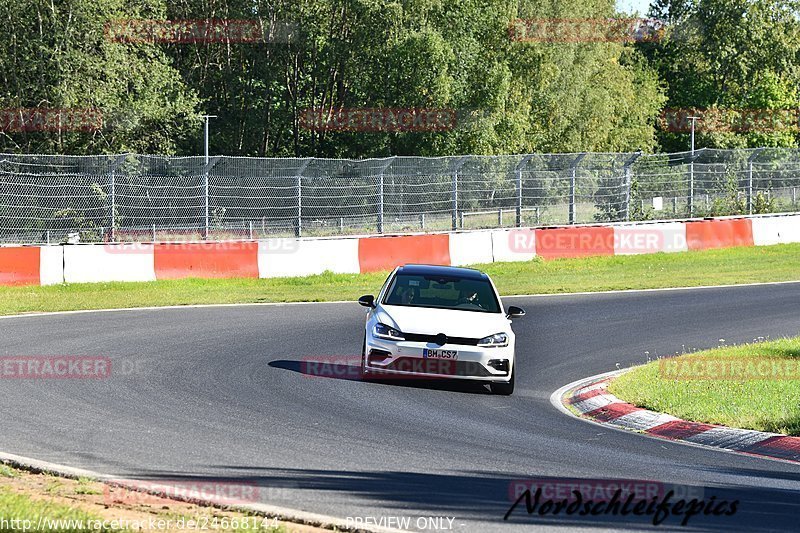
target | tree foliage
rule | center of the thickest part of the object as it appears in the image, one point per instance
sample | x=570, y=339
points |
x=55, y=55
x=733, y=57
x=510, y=96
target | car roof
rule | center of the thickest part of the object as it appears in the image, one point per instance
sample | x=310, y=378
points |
x=438, y=270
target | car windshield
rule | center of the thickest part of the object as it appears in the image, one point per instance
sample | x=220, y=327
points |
x=442, y=292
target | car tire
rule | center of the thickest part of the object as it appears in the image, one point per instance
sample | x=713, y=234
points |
x=504, y=389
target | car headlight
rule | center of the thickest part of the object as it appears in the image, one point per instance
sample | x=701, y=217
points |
x=494, y=341
x=382, y=331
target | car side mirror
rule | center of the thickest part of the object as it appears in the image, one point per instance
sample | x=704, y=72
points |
x=515, y=312
x=367, y=300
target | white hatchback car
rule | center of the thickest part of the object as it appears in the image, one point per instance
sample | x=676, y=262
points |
x=440, y=322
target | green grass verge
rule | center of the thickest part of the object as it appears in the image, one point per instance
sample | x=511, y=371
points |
x=19, y=512
x=712, y=267
x=19, y=507
x=760, y=404
x=68, y=505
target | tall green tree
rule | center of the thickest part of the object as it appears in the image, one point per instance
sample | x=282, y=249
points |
x=732, y=57
x=510, y=96
x=56, y=54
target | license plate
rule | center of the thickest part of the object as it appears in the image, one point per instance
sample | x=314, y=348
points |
x=439, y=354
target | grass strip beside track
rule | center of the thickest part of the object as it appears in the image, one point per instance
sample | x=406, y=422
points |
x=52, y=503
x=19, y=512
x=711, y=267
x=764, y=400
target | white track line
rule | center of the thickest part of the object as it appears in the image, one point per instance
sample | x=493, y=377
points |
x=338, y=302
x=168, y=307
x=662, y=289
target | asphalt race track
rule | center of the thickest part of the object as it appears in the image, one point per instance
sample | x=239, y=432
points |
x=221, y=393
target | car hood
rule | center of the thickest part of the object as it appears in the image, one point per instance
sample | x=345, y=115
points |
x=453, y=323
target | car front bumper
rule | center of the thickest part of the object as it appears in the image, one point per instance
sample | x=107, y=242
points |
x=407, y=358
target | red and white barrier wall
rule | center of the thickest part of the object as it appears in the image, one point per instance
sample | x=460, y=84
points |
x=46, y=265
x=108, y=262
x=776, y=230
x=304, y=257
x=31, y=265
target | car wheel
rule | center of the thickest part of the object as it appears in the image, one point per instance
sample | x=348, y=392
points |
x=504, y=389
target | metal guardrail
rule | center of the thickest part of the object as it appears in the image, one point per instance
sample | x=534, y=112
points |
x=123, y=197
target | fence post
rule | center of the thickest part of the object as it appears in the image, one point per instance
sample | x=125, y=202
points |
x=112, y=195
x=518, y=221
x=690, y=198
x=572, y=186
x=209, y=164
x=518, y=169
x=572, y=179
x=298, y=226
x=750, y=160
x=380, y=203
x=454, y=201
x=113, y=206
x=454, y=192
x=298, y=229
x=386, y=165
x=628, y=184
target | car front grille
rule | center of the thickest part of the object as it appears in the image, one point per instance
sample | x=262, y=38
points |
x=421, y=337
